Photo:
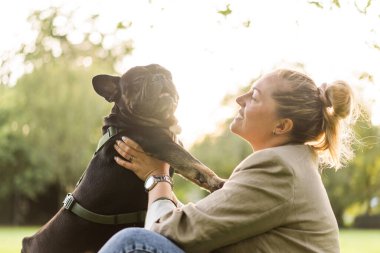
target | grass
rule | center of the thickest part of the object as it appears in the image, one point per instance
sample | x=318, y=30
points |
x=352, y=241
x=11, y=237
x=360, y=241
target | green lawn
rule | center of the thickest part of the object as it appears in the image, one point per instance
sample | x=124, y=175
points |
x=360, y=241
x=11, y=237
x=352, y=241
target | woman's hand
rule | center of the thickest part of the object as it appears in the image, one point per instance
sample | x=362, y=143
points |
x=137, y=161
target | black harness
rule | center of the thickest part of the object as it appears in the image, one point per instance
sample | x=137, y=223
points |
x=70, y=203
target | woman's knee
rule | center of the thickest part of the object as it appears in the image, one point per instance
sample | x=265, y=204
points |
x=132, y=235
x=139, y=240
x=122, y=239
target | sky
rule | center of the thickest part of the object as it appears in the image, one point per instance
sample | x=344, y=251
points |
x=211, y=55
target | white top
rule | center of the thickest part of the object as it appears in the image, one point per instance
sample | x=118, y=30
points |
x=157, y=209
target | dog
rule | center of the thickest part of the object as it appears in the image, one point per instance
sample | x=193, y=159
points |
x=108, y=198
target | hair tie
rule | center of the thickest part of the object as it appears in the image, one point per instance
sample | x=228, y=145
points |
x=322, y=95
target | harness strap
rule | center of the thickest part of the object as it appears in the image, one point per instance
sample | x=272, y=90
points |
x=111, y=132
x=72, y=205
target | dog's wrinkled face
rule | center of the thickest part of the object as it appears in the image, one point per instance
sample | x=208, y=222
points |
x=146, y=92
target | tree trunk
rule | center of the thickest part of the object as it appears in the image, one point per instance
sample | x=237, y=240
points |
x=339, y=218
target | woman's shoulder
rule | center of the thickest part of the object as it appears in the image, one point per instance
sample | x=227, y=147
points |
x=286, y=156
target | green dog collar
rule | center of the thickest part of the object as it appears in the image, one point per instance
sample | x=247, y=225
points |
x=73, y=206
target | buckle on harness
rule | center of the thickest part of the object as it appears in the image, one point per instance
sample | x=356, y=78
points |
x=68, y=201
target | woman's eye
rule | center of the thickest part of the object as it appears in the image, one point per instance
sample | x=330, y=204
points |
x=254, y=95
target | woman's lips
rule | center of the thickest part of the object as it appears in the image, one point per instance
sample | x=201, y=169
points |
x=239, y=115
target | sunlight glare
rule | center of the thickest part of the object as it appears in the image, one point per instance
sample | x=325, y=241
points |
x=211, y=55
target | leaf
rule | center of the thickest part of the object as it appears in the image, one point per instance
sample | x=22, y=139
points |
x=317, y=4
x=366, y=75
x=369, y=2
x=124, y=25
x=226, y=12
x=120, y=25
x=95, y=16
x=336, y=2
x=363, y=10
x=247, y=23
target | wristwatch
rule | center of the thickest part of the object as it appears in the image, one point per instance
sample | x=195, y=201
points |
x=152, y=181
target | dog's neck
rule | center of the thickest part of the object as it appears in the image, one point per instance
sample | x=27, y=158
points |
x=122, y=120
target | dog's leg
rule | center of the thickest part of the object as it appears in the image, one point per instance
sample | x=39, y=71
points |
x=189, y=167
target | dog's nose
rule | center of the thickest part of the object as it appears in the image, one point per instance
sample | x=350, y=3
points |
x=154, y=90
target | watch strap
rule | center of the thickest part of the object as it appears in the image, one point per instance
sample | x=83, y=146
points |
x=157, y=179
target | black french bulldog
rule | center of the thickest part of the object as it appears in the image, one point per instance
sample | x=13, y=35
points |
x=145, y=101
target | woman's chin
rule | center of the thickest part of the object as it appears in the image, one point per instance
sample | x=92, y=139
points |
x=234, y=126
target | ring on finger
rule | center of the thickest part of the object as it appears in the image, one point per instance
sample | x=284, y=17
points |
x=130, y=159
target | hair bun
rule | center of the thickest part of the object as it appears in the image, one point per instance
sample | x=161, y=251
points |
x=339, y=94
x=322, y=95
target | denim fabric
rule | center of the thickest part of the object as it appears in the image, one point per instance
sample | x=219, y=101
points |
x=139, y=240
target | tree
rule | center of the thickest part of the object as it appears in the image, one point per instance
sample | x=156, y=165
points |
x=364, y=7
x=221, y=152
x=367, y=164
x=60, y=37
x=359, y=181
x=51, y=118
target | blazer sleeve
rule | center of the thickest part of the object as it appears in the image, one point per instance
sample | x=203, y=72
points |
x=254, y=200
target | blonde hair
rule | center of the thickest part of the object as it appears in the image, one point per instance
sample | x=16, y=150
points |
x=321, y=115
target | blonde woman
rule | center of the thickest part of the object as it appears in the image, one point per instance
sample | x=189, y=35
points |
x=274, y=200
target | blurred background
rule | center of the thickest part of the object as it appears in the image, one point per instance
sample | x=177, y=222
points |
x=50, y=117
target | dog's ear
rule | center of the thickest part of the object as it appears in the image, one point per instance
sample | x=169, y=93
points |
x=107, y=87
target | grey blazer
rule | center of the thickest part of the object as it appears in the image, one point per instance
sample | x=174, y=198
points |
x=274, y=201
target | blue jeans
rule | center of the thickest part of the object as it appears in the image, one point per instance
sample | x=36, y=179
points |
x=139, y=240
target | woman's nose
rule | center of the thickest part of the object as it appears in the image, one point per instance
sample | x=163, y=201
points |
x=240, y=100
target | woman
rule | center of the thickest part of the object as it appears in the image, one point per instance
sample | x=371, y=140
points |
x=274, y=200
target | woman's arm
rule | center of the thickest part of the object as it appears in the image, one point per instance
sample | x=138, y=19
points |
x=161, y=199
x=254, y=200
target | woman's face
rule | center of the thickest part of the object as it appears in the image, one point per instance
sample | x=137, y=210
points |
x=257, y=116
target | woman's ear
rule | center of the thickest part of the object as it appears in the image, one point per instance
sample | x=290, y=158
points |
x=283, y=126
x=107, y=87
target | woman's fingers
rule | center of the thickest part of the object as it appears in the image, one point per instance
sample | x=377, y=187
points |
x=137, y=161
x=128, y=148
x=131, y=152
x=124, y=150
x=130, y=143
x=123, y=153
x=126, y=164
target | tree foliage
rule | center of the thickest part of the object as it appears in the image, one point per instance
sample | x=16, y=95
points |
x=58, y=35
x=221, y=152
x=50, y=120
x=364, y=7
x=359, y=182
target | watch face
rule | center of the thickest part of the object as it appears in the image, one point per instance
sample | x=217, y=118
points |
x=149, y=183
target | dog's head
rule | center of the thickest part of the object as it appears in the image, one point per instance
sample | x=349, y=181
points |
x=146, y=92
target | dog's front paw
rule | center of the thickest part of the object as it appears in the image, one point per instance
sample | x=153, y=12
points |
x=210, y=183
x=216, y=183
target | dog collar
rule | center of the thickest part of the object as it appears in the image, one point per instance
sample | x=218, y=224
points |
x=73, y=206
